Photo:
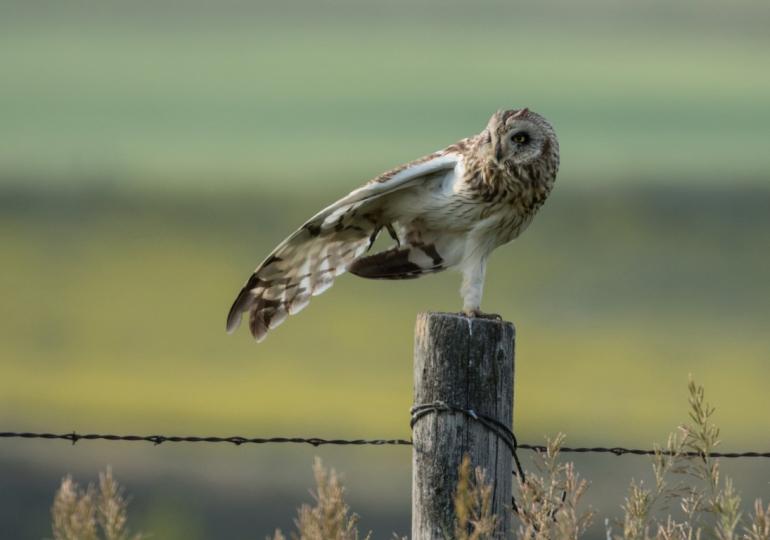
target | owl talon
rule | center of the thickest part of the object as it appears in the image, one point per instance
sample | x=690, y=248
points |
x=392, y=233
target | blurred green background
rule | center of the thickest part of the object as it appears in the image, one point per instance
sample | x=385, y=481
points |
x=151, y=153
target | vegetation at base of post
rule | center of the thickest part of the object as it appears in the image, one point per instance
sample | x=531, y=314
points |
x=689, y=499
x=473, y=504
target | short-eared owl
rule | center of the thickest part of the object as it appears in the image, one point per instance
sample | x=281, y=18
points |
x=447, y=209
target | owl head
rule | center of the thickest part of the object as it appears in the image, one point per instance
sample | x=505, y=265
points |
x=521, y=137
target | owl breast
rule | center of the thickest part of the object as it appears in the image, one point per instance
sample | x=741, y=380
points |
x=522, y=199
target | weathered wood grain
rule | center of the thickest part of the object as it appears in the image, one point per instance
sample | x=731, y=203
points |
x=467, y=363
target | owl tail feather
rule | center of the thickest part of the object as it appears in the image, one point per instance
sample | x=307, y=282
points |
x=399, y=263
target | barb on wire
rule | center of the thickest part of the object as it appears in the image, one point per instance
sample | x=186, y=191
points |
x=75, y=437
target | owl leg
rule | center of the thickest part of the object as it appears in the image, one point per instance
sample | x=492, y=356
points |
x=472, y=289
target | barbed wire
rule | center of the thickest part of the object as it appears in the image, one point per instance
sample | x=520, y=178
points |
x=502, y=432
x=74, y=437
x=619, y=451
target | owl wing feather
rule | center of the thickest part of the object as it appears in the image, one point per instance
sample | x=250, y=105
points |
x=306, y=263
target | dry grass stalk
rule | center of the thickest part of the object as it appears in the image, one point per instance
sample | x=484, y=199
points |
x=91, y=513
x=548, y=500
x=759, y=529
x=707, y=500
x=330, y=518
x=473, y=505
x=74, y=512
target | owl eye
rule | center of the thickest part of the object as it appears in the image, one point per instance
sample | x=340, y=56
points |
x=522, y=137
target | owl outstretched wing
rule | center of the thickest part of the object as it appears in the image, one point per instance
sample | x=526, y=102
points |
x=306, y=263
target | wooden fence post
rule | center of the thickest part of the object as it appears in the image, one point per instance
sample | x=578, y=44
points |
x=465, y=363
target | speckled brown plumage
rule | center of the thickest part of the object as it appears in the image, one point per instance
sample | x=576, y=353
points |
x=447, y=209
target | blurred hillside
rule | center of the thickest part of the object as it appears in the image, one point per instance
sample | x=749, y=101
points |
x=151, y=153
